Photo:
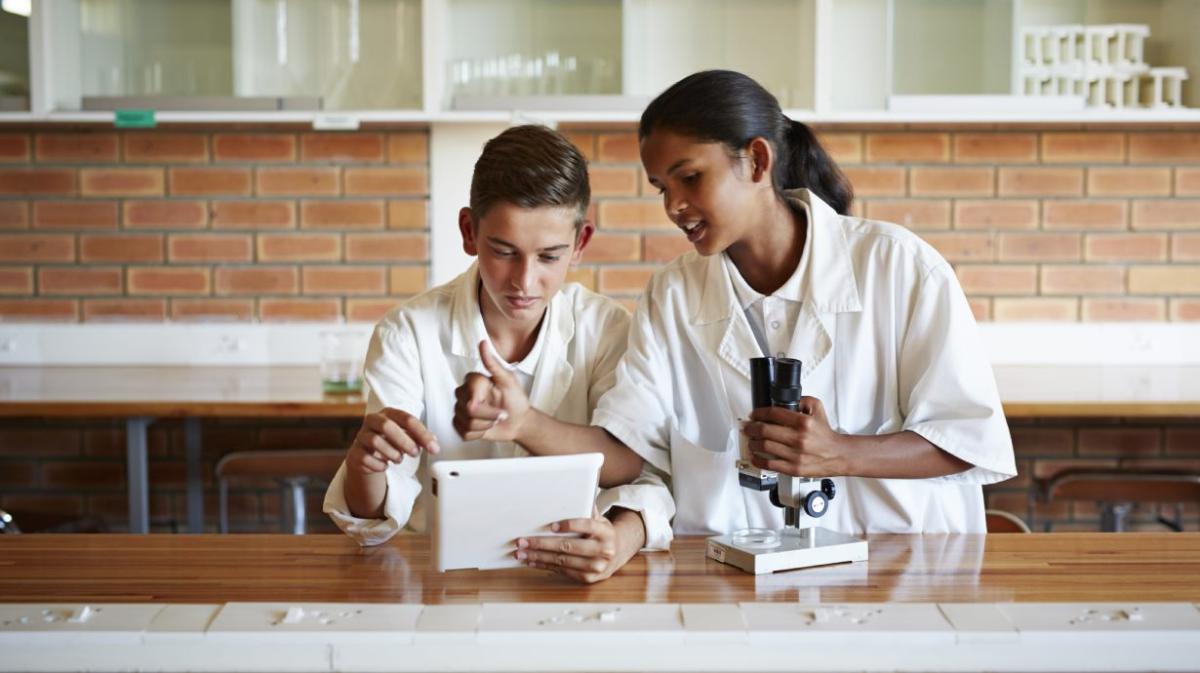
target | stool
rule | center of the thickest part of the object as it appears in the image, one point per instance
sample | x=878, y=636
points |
x=1000, y=521
x=292, y=469
x=1118, y=490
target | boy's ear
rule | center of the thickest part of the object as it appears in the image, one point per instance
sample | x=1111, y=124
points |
x=762, y=160
x=466, y=227
x=582, y=239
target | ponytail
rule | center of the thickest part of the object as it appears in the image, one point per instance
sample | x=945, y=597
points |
x=730, y=108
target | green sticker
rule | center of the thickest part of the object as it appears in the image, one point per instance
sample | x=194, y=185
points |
x=134, y=119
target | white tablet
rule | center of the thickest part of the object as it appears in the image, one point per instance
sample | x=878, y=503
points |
x=483, y=506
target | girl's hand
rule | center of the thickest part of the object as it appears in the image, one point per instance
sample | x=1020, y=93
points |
x=490, y=407
x=594, y=556
x=386, y=437
x=800, y=443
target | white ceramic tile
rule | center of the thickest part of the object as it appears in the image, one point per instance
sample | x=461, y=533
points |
x=458, y=623
x=68, y=622
x=506, y=622
x=183, y=619
x=1064, y=620
x=706, y=622
x=908, y=623
x=317, y=622
x=979, y=623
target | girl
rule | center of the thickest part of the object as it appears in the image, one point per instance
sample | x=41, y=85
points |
x=900, y=405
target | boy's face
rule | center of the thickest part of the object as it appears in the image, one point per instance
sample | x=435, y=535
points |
x=524, y=255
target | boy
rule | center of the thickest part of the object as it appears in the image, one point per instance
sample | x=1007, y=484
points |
x=526, y=225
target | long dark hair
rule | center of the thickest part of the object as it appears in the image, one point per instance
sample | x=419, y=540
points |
x=730, y=108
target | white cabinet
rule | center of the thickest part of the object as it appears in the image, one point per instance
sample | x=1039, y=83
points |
x=14, y=58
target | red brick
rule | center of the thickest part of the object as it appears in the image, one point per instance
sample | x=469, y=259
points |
x=1183, y=440
x=31, y=181
x=386, y=247
x=37, y=248
x=1169, y=280
x=254, y=147
x=168, y=280
x=345, y=280
x=75, y=214
x=958, y=247
x=408, y=148
x=661, y=248
x=38, y=309
x=1119, y=441
x=1091, y=214
x=253, y=214
x=1043, y=442
x=299, y=247
x=1082, y=279
x=628, y=280
x=408, y=214
x=297, y=182
x=953, y=181
x=606, y=247
x=121, y=181
x=386, y=181
x=1083, y=148
x=165, y=215
x=1157, y=148
x=77, y=476
x=876, y=181
x=916, y=214
x=1187, y=181
x=34, y=502
x=1185, y=247
x=407, y=280
x=88, y=148
x=995, y=148
x=210, y=181
x=14, y=148
x=209, y=248
x=1167, y=214
x=584, y=142
x=368, y=310
x=1096, y=309
x=18, y=475
x=908, y=147
x=1039, y=247
x=843, y=148
x=286, y=310
x=1125, y=248
x=1041, y=181
x=584, y=275
x=993, y=214
x=613, y=180
x=342, y=147
x=14, y=215
x=1005, y=309
x=341, y=215
x=167, y=148
x=993, y=280
x=1129, y=181
x=121, y=248
x=258, y=280
x=16, y=280
x=1184, y=310
x=618, y=147
x=154, y=310
x=218, y=310
x=633, y=215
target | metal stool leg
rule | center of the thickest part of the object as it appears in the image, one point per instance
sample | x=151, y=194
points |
x=298, y=507
x=1112, y=516
x=223, y=504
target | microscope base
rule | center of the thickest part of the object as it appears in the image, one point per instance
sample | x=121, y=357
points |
x=803, y=548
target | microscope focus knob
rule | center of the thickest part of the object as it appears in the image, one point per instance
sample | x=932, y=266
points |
x=828, y=488
x=816, y=504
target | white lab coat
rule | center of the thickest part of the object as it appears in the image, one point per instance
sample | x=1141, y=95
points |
x=888, y=344
x=424, y=348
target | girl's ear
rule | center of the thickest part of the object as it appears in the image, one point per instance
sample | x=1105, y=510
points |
x=762, y=159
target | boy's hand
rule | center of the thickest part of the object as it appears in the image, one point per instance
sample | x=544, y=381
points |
x=588, y=559
x=386, y=437
x=800, y=443
x=490, y=407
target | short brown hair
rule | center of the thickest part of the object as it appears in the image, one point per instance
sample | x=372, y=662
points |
x=531, y=166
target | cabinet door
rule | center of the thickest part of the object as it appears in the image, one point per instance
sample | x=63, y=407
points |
x=14, y=57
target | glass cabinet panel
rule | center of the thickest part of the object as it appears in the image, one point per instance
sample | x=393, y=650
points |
x=14, y=55
x=952, y=47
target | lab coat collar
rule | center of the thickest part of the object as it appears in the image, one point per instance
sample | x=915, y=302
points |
x=828, y=284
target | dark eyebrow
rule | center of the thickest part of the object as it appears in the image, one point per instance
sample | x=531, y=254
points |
x=501, y=241
x=674, y=167
x=555, y=248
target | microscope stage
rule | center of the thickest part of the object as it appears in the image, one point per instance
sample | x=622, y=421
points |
x=802, y=548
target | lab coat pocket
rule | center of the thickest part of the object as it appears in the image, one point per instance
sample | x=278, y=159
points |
x=705, y=485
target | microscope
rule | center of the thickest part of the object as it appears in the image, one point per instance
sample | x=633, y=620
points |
x=775, y=382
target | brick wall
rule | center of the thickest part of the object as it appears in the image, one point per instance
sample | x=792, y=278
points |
x=285, y=224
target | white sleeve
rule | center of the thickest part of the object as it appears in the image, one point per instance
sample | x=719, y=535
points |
x=637, y=410
x=393, y=376
x=648, y=496
x=612, y=341
x=947, y=392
